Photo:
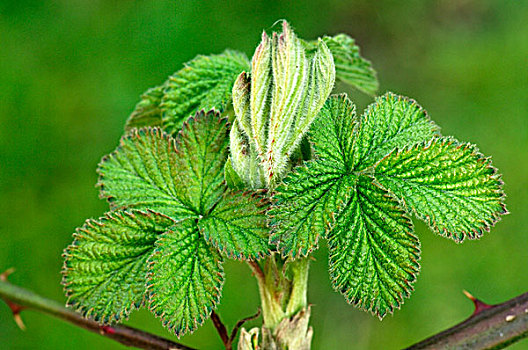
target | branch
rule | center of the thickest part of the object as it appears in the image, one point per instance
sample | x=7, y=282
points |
x=490, y=327
x=222, y=330
x=18, y=298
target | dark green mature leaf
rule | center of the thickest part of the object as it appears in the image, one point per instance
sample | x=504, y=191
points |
x=449, y=185
x=204, y=83
x=185, y=278
x=202, y=152
x=349, y=193
x=304, y=207
x=141, y=174
x=105, y=267
x=179, y=178
x=332, y=132
x=351, y=68
x=392, y=121
x=373, y=251
x=309, y=197
x=147, y=111
x=237, y=226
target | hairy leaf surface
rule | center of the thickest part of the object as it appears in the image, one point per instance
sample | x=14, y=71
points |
x=392, y=121
x=185, y=278
x=449, y=185
x=204, y=83
x=367, y=174
x=373, y=251
x=202, y=152
x=237, y=226
x=276, y=106
x=179, y=178
x=105, y=267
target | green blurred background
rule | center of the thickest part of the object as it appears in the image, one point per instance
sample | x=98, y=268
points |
x=72, y=70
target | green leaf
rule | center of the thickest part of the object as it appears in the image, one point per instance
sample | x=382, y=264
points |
x=373, y=251
x=351, y=68
x=202, y=152
x=304, y=207
x=332, y=133
x=392, y=121
x=181, y=178
x=148, y=111
x=185, y=278
x=204, y=83
x=310, y=196
x=449, y=185
x=344, y=145
x=237, y=226
x=105, y=268
x=367, y=174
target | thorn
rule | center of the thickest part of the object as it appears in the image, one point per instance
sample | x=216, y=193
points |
x=479, y=305
x=107, y=330
x=19, y=322
x=15, y=308
x=6, y=273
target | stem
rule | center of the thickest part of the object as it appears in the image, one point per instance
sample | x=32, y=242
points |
x=279, y=296
x=128, y=336
x=271, y=292
x=490, y=327
x=221, y=329
x=298, y=298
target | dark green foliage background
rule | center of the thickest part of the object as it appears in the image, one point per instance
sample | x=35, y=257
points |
x=72, y=70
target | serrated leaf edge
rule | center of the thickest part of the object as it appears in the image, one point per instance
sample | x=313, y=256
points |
x=88, y=312
x=494, y=175
x=328, y=224
x=264, y=201
x=196, y=322
x=415, y=264
x=174, y=144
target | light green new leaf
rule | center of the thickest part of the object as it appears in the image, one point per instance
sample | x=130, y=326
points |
x=233, y=180
x=373, y=251
x=147, y=111
x=105, y=267
x=299, y=90
x=181, y=178
x=350, y=67
x=309, y=197
x=185, y=278
x=204, y=83
x=449, y=185
x=237, y=226
x=392, y=121
x=276, y=105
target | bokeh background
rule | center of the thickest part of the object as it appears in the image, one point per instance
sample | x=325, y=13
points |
x=72, y=70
